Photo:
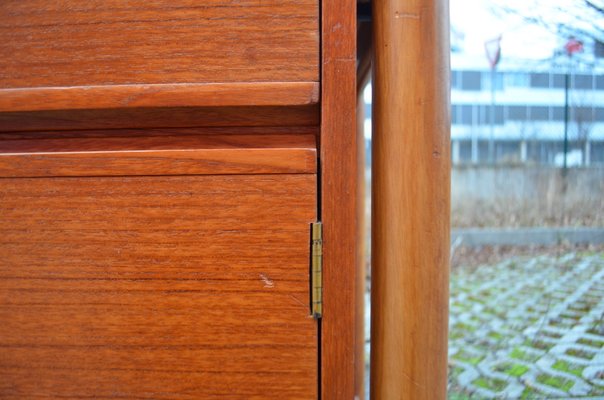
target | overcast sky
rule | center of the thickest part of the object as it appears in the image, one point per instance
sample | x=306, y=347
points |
x=477, y=21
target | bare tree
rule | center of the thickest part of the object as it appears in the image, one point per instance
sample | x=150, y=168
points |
x=582, y=20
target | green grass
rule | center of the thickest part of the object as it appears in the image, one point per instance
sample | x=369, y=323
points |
x=495, y=385
x=555, y=381
x=530, y=394
x=580, y=353
x=567, y=367
x=458, y=396
x=520, y=354
x=512, y=369
x=517, y=370
x=470, y=359
x=464, y=327
x=553, y=335
x=574, y=317
x=539, y=344
x=592, y=343
x=496, y=335
x=580, y=307
x=454, y=372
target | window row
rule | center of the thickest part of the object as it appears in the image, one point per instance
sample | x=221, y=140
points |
x=475, y=114
x=483, y=80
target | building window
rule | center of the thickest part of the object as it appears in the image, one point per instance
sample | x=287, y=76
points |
x=539, y=113
x=558, y=81
x=466, y=115
x=455, y=80
x=582, y=81
x=487, y=78
x=454, y=117
x=485, y=115
x=470, y=80
x=517, y=113
x=558, y=113
x=517, y=79
x=540, y=80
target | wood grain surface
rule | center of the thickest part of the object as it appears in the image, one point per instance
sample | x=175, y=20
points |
x=159, y=155
x=159, y=95
x=339, y=199
x=411, y=200
x=164, y=117
x=111, y=42
x=159, y=287
x=137, y=133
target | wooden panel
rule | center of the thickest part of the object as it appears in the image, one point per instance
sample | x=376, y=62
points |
x=159, y=95
x=170, y=117
x=157, y=287
x=135, y=133
x=111, y=42
x=411, y=200
x=184, y=155
x=339, y=193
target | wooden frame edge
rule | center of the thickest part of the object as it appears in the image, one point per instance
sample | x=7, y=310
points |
x=339, y=191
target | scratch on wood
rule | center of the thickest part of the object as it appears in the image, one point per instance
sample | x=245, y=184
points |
x=411, y=380
x=406, y=15
x=268, y=283
x=294, y=298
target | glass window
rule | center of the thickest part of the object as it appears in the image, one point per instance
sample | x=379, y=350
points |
x=470, y=80
x=485, y=117
x=465, y=151
x=558, y=113
x=516, y=79
x=487, y=78
x=455, y=80
x=558, y=81
x=517, y=113
x=454, y=117
x=582, y=82
x=539, y=113
x=540, y=80
x=466, y=115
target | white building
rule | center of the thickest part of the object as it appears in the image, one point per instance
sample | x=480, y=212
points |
x=529, y=111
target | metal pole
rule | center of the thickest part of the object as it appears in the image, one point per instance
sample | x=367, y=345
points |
x=492, y=119
x=566, y=84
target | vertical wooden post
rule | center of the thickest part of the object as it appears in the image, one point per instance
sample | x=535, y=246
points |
x=338, y=149
x=411, y=195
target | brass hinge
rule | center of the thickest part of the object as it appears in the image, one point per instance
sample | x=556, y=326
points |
x=317, y=269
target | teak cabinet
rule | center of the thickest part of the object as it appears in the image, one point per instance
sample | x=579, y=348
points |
x=161, y=165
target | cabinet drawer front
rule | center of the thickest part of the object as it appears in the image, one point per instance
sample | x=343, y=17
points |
x=183, y=286
x=111, y=42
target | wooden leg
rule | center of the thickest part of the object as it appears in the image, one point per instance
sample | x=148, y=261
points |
x=411, y=199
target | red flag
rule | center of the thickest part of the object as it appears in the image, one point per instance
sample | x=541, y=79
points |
x=573, y=46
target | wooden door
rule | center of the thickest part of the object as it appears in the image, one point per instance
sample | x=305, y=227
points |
x=157, y=268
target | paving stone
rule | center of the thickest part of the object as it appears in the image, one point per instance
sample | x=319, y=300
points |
x=528, y=328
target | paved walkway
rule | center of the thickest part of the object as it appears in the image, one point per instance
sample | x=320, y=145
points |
x=528, y=329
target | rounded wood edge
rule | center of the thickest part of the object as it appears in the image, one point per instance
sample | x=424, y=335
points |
x=188, y=155
x=159, y=95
